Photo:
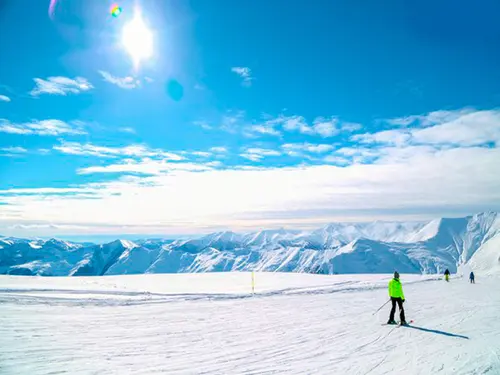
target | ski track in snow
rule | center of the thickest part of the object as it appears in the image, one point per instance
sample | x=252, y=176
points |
x=210, y=324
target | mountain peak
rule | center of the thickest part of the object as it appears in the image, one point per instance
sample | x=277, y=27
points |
x=126, y=244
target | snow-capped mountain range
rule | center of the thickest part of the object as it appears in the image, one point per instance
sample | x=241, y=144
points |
x=376, y=247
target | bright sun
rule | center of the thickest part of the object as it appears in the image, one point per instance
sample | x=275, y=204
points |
x=137, y=39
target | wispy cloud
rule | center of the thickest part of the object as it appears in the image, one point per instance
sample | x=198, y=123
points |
x=307, y=147
x=431, y=118
x=202, y=154
x=396, y=136
x=469, y=129
x=236, y=122
x=256, y=154
x=43, y=127
x=337, y=160
x=203, y=124
x=146, y=166
x=245, y=73
x=324, y=127
x=127, y=130
x=127, y=82
x=60, y=86
x=14, y=150
x=219, y=149
x=264, y=129
x=351, y=127
x=232, y=121
x=4, y=98
x=141, y=151
x=459, y=128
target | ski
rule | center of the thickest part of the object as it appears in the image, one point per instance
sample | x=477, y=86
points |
x=404, y=325
x=398, y=324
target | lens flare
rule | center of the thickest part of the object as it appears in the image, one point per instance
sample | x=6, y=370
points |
x=115, y=10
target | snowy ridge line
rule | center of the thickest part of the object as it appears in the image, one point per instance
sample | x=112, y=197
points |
x=339, y=248
x=23, y=296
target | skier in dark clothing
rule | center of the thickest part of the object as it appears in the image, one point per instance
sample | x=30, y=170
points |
x=447, y=275
x=397, y=297
x=471, y=277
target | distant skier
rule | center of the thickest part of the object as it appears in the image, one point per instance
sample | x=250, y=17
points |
x=447, y=275
x=471, y=277
x=397, y=296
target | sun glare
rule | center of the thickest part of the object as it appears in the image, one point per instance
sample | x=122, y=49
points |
x=137, y=39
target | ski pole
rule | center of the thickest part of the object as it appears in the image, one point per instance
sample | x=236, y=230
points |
x=380, y=308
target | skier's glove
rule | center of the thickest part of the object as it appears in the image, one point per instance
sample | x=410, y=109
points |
x=404, y=301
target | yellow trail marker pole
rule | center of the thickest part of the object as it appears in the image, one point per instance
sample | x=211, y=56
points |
x=253, y=282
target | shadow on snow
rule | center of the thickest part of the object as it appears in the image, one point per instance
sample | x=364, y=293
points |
x=439, y=332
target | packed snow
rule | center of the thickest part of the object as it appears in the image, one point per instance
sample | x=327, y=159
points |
x=377, y=247
x=212, y=324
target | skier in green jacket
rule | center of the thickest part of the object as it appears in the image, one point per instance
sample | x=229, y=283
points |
x=397, y=296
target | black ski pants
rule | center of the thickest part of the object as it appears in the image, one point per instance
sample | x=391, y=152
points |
x=399, y=301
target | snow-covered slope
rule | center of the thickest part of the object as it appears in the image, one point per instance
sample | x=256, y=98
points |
x=375, y=247
x=487, y=259
x=211, y=324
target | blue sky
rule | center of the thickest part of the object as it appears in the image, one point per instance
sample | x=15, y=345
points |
x=248, y=114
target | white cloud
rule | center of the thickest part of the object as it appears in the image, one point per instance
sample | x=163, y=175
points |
x=43, y=127
x=256, y=154
x=4, y=98
x=202, y=154
x=395, y=136
x=469, y=129
x=235, y=122
x=337, y=160
x=232, y=121
x=122, y=82
x=462, y=128
x=297, y=123
x=60, y=86
x=149, y=79
x=214, y=163
x=145, y=166
x=358, y=151
x=203, y=125
x=245, y=73
x=127, y=130
x=418, y=181
x=351, y=127
x=324, y=127
x=264, y=129
x=14, y=150
x=308, y=147
x=431, y=118
x=219, y=149
x=75, y=148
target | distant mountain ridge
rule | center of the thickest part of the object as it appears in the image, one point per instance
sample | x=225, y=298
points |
x=375, y=247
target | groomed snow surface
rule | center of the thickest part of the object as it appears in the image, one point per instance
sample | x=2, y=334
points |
x=211, y=324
